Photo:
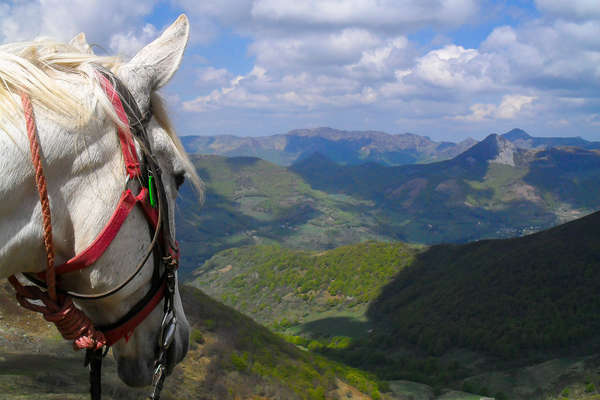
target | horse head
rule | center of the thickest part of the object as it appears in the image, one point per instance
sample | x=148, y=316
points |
x=85, y=178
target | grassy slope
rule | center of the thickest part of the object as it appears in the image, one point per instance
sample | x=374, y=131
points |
x=283, y=286
x=472, y=293
x=231, y=357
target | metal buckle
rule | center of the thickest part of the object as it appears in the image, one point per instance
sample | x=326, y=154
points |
x=167, y=330
x=157, y=382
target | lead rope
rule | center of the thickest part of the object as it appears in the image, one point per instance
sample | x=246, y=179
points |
x=40, y=180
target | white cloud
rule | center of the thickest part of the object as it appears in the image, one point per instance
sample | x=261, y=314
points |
x=327, y=56
x=231, y=11
x=445, y=67
x=510, y=107
x=313, y=49
x=99, y=19
x=578, y=9
x=396, y=15
x=379, y=62
x=210, y=77
x=128, y=44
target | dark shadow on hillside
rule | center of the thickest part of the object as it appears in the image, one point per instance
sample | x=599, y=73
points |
x=572, y=175
x=237, y=163
x=335, y=326
x=372, y=181
x=344, y=152
x=519, y=296
x=203, y=231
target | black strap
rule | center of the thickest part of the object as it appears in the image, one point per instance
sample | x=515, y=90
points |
x=93, y=360
x=161, y=252
x=135, y=310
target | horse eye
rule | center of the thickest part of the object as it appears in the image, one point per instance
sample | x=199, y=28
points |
x=179, y=179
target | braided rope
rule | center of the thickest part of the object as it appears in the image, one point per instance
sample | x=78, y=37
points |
x=40, y=181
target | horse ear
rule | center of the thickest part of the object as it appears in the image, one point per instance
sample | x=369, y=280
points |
x=81, y=44
x=157, y=62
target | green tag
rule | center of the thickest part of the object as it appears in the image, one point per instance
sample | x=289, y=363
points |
x=151, y=191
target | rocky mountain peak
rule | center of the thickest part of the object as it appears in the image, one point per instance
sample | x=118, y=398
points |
x=493, y=148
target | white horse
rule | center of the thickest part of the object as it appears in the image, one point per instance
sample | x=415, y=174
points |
x=85, y=176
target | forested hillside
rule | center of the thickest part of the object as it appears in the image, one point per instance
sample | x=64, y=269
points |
x=508, y=297
x=473, y=316
x=279, y=286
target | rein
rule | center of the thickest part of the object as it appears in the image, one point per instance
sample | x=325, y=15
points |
x=58, y=306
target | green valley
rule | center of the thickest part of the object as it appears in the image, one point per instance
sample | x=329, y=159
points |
x=492, y=190
x=251, y=201
x=512, y=318
x=312, y=251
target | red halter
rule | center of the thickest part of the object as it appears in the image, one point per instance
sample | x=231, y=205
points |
x=58, y=308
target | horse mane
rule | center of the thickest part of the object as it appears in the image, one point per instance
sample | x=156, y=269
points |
x=36, y=68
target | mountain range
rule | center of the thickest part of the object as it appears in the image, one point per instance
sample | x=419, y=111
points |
x=523, y=140
x=513, y=318
x=492, y=190
x=357, y=147
x=345, y=147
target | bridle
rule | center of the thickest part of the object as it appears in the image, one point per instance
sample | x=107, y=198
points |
x=58, y=306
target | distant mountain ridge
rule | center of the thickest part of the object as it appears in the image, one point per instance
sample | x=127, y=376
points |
x=522, y=139
x=493, y=183
x=357, y=147
x=492, y=190
x=344, y=147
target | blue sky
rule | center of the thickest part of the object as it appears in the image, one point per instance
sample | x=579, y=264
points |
x=448, y=69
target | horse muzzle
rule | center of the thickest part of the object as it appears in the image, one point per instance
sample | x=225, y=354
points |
x=139, y=371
